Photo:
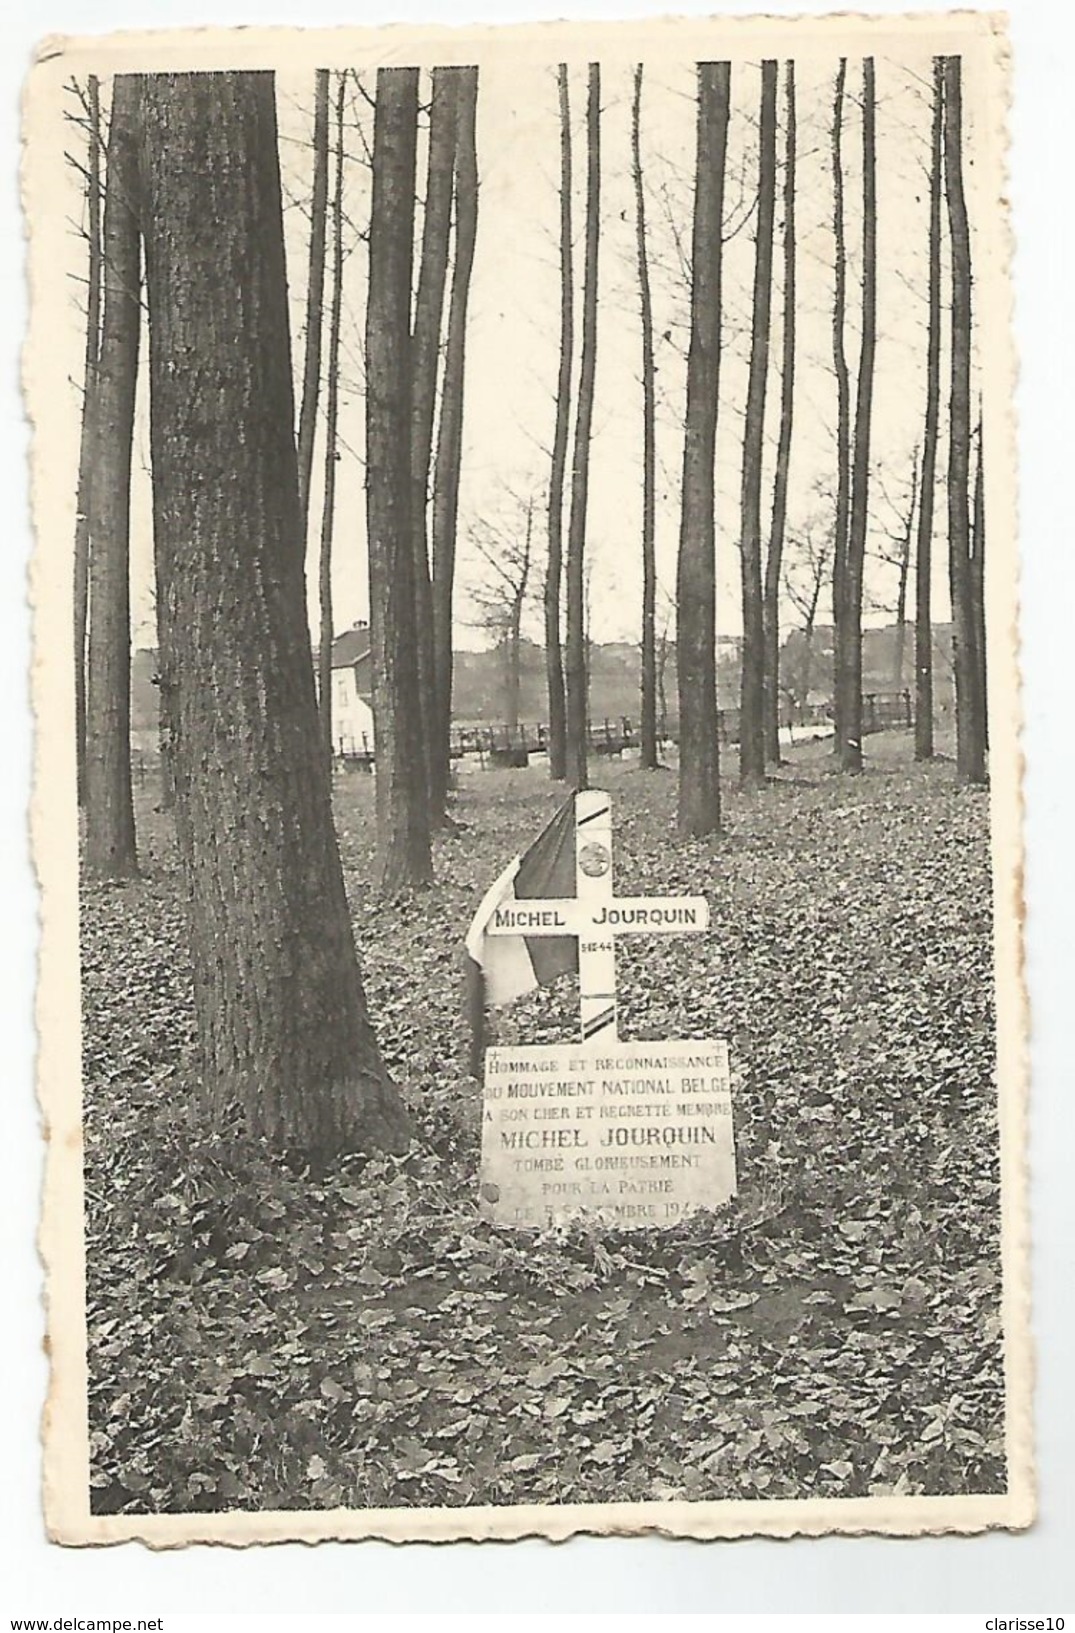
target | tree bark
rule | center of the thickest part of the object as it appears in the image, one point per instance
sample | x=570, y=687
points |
x=752, y=685
x=282, y=1019
x=110, y=838
x=575, y=667
x=332, y=408
x=425, y=355
x=698, y=808
x=970, y=714
x=648, y=757
x=849, y=642
x=554, y=663
x=403, y=826
x=923, y=726
x=774, y=559
x=87, y=443
x=315, y=292
x=843, y=403
x=450, y=427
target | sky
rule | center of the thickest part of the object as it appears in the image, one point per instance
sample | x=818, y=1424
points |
x=513, y=330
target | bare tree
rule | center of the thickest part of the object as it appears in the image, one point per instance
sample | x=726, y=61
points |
x=648, y=734
x=315, y=293
x=924, y=553
x=902, y=536
x=575, y=667
x=506, y=551
x=554, y=566
x=425, y=352
x=282, y=1020
x=843, y=393
x=805, y=571
x=752, y=692
x=110, y=837
x=450, y=427
x=92, y=108
x=403, y=829
x=699, y=751
x=848, y=655
x=970, y=702
x=773, y=560
x=332, y=408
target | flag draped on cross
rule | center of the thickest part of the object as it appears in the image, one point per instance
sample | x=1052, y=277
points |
x=500, y=968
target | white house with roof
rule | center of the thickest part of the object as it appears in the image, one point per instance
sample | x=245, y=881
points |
x=352, y=691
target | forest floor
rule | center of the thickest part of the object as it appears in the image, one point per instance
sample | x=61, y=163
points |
x=266, y=1338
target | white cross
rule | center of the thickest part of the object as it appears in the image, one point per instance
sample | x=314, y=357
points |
x=596, y=916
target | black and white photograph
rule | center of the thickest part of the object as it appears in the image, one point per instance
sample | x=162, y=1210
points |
x=532, y=1028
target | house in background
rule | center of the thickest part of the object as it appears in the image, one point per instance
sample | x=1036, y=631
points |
x=352, y=691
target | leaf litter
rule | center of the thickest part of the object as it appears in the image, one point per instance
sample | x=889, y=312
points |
x=261, y=1337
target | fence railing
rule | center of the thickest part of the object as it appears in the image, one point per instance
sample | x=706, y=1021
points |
x=511, y=745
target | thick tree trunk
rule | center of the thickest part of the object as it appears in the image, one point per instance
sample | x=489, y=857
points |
x=843, y=406
x=970, y=713
x=281, y=1013
x=923, y=725
x=752, y=685
x=315, y=292
x=332, y=409
x=403, y=845
x=575, y=668
x=648, y=735
x=425, y=354
x=978, y=580
x=554, y=663
x=774, y=559
x=849, y=645
x=699, y=751
x=110, y=839
x=89, y=402
x=450, y=426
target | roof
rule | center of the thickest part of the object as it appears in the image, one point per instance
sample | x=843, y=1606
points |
x=350, y=648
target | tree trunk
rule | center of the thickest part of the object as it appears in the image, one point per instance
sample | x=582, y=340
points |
x=87, y=444
x=774, y=559
x=554, y=663
x=970, y=720
x=315, y=293
x=923, y=724
x=648, y=758
x=110, y=839
x=425, y=355
x=752, y=687
x=403, y=846
x=281, y=1013
x=699, y=751
x=576, y=667
x=450, y=427
x=905, y=574
x=843, y=406
x=849, y=644
x=978, y=580
x=332, y=406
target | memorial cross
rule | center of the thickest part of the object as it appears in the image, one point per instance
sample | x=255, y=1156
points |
x=597, y=916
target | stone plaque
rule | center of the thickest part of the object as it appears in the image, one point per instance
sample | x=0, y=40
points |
x=633, y=1133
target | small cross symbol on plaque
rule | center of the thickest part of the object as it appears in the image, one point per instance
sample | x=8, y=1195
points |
x=597, y=916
